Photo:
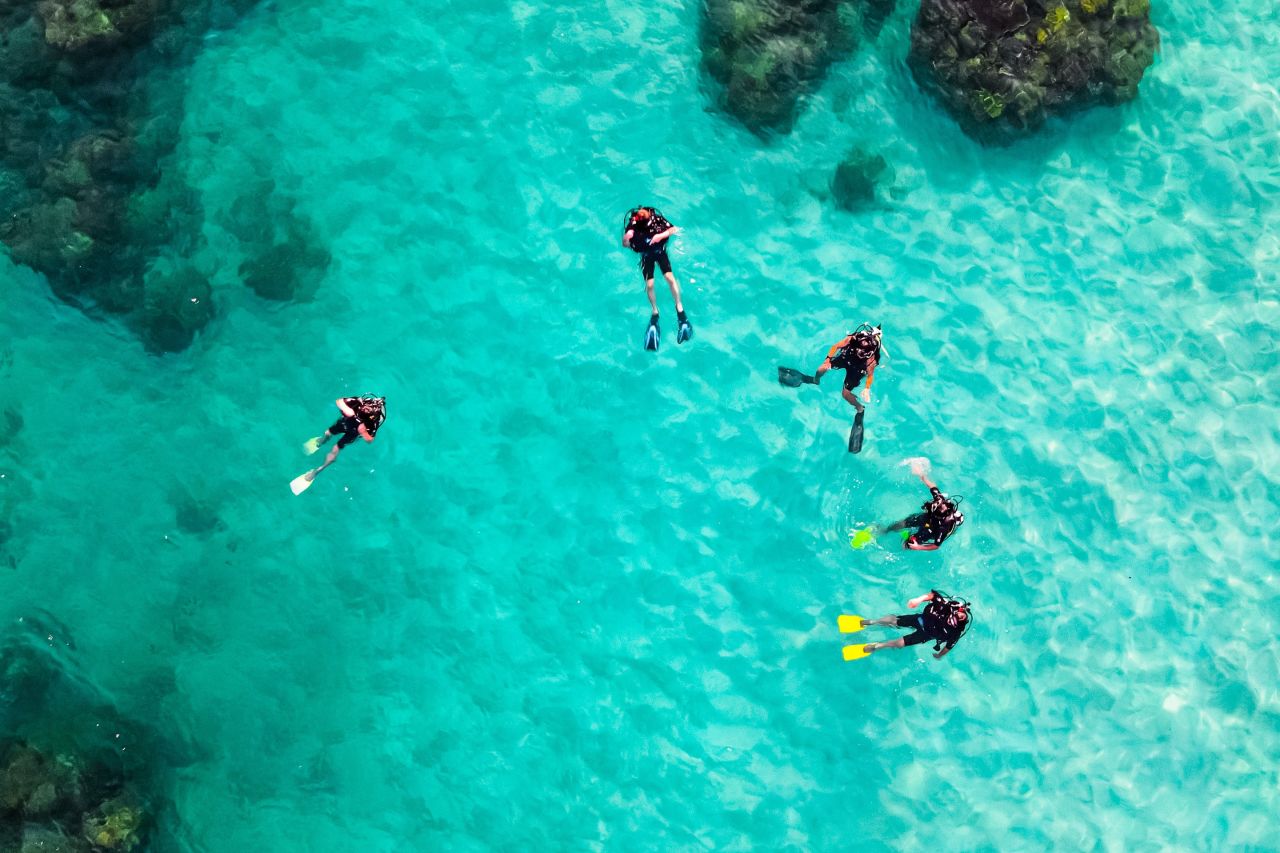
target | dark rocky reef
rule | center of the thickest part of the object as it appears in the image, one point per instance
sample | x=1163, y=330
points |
x=285, y=260
x=64, y=785
x=84, y=126
x=1003, y=66
x=853, y=186
x=768, y=54
x=64, y=802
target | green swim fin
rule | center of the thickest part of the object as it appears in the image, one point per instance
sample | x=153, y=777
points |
x=793, y=378
x=855, y=652
x=850, y=624
x=859, y=539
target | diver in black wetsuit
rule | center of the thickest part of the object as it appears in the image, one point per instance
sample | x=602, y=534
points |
x=647, y=232
x=940, y=518
x=943, y=623
x=857, y=354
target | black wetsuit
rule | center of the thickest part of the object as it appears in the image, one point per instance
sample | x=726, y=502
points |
x=938, y=521
x=856, y=364
x=349, y=428
x=931, y=625
x=642, y=233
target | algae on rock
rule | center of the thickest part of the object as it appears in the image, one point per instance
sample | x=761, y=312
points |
x=1001, y=67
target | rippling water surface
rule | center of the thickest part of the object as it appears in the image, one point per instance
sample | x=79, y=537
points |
x=578, y=595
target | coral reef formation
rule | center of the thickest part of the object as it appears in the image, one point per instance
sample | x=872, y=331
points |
x=64, y=802
x=853, y=186
x=1003, y=66
x=85, y=125
x=767, y=54
x=64, y=785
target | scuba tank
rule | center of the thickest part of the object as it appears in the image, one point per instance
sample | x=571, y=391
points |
x=644, y=228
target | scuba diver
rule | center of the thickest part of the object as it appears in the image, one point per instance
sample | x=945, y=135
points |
x=943, y=623
x=647, y=232
x=361, y=418
x=940, y=518
x=857, y=354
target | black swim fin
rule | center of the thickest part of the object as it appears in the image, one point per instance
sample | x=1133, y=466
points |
x=685, y=330
x=793, y=378
x=652, y=336
x=855, y=434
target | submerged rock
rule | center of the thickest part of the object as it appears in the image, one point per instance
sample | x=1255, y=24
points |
x=86, y=130
x=115, y=825
x=853, y=185
x=768, y=54
x=287, y=270
x=82, y=25
x=176, y=306
x=1002, y=67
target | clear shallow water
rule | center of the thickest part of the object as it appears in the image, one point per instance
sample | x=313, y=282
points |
x=577, y=595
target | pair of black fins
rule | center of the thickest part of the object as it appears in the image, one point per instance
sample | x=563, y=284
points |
x=653, y=336
x=793, y=378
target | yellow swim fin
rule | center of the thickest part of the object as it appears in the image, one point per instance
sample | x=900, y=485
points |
x=855, y=652
x=313, y=445
x=850, y=624
x=302, y=483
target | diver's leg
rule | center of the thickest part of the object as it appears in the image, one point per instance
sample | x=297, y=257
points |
x=648, y=291
x=887, y=644
x=675, y=290
x=853, y=399
x=883, y=620
x=328, y=460
x=910, y=521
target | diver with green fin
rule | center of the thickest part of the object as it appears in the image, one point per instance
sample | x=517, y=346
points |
x=361, y=418
x=857, y=354
x=943, y=623
x=647, y=232
x=938, y=519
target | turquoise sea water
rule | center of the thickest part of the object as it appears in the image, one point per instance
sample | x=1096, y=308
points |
x=579, y=596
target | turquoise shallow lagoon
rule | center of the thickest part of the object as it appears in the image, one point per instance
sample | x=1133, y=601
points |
x=579, y=596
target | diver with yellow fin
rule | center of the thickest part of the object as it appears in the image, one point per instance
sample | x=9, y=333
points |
x=857, y=354
x=943, y=623
x=361, y=418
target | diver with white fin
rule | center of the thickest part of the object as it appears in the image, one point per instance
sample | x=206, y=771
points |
x=857, y=354
x=361, y=418
x=943, y=623
x=647, y=232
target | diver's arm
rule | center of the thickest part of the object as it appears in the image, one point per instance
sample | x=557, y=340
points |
x=626, y=238
x=916, y=602
x=913, y=545
x=365, y=434
x=924, y=478
x=826, y=363
x=940, y=655
x=663, y=235
x=346, y=410
x=871, y=374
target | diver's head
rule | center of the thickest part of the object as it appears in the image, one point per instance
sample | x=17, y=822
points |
x=373, y=407
x=642, y=214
